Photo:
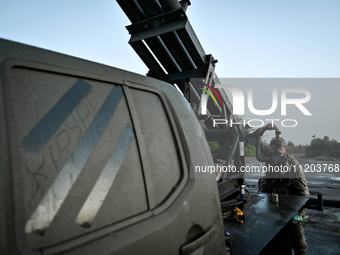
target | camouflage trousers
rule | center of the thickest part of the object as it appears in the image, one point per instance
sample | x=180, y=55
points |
x=291, y=237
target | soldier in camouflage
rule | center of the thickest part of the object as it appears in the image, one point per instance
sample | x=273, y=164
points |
x=289, y=183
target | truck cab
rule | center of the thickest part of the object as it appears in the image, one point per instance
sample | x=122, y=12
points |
x=95, y=159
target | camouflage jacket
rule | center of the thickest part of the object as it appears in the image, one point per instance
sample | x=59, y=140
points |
x=292, y=182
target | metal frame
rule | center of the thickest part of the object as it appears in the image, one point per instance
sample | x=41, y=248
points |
x=162, y=36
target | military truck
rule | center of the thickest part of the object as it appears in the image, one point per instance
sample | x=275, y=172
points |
x=99, y=160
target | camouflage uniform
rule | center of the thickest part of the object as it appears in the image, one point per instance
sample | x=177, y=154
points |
x=291, y=183
x=291, y=236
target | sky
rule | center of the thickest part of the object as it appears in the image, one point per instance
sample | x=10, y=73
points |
x=295, y=123
x=250, y=39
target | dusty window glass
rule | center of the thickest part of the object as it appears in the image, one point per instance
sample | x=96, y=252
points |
x=160, y=158
x=75, y=160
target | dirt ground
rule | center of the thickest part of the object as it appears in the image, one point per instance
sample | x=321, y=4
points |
x=323, y=232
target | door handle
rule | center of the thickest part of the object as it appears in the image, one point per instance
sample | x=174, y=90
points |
x=198, y=243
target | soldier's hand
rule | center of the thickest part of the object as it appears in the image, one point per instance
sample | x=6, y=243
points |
x=271, y=126
x=263, y=129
